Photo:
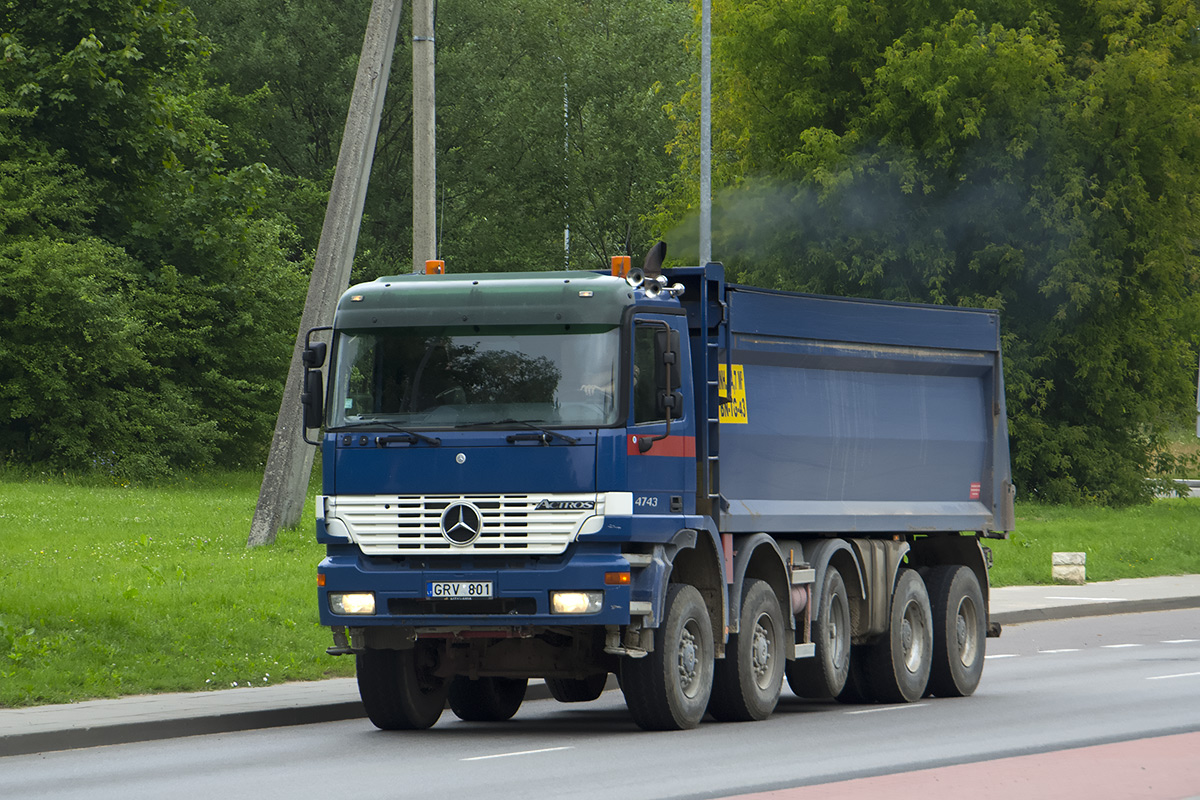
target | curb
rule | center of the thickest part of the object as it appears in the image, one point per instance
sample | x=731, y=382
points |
x=197, y=724
x=1096, y=609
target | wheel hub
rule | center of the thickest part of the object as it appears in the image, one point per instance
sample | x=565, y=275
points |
x=688, y=661
x=761, y=653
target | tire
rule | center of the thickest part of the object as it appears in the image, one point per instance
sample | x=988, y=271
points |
x=399, y=689
x=959, y=631
x=577, y=690
x=898, y=666
x=824, y=675
x=668, y=689
x=747, y=682
x=857, y=690
x=486, y=699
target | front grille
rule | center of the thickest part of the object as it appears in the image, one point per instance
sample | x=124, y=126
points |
x=511, y=524
x=402, y=607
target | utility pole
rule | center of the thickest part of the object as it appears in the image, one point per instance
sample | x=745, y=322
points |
x=289, y=465
x=424, y=137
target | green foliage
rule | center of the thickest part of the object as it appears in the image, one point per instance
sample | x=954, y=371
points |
x=550, y=115
x=1038, y=157
x=149, y=288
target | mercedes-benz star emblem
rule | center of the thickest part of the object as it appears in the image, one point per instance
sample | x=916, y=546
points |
x=461, y=523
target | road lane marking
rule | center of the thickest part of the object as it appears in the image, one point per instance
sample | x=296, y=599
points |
x=1001, y=655
x=1084, y=599
x=519, y=753
x=1115, y=646
x=888, y=708
x=1063, y=650
x=1180, y=675
x=1179, y=641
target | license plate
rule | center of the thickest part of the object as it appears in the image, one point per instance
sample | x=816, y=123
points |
x=458, y=590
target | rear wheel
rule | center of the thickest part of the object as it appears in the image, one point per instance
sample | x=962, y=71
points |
x=577, y=690
x=897, y=667
x=399, y=688
x=959, y=630
x=668, y=689
x=486, y=699
x=746, y=683
x=824, y=675
x=856, y=689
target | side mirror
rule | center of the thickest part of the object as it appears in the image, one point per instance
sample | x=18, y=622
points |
x=313, y=356
x=312, y=399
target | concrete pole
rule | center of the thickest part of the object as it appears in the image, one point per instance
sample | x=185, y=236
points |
x=706, y=132
x=289, y=465
x=424, y=137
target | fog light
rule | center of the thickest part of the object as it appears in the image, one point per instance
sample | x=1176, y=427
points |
x=576, y=602
x=352, y=603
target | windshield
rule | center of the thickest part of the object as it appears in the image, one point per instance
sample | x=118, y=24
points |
x=447, y=377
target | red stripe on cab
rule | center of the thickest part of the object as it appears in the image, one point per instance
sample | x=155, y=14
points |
x=678, y=446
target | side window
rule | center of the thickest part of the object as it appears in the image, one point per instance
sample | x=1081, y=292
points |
x=645, y=407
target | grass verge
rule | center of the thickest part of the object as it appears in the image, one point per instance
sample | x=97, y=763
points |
x=114, y=590
x=1162, y=538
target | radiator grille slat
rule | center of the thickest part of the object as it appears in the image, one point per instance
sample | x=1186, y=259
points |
x=400, y=525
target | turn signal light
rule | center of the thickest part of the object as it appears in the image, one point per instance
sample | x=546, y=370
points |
x=616, y=578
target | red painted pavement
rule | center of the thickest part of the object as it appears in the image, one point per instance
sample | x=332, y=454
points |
x=1160, y=768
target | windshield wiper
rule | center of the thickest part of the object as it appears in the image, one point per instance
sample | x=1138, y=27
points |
x=546, y=433
x=412, y=437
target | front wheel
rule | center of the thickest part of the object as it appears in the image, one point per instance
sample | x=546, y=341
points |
x=486, y=699
x=399, y=688
x=668, y=689
x=959, y=631
x=746, y=683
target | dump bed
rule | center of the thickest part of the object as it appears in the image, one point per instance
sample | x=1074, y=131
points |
x=861, y=417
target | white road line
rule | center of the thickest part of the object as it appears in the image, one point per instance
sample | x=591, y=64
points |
x=521, y=753
x=1115, y=646
x=1180, y=675
x=1063, y=650
x=888, y=708
x=1084, y=599
x=1001, y=655
x=1179, y=641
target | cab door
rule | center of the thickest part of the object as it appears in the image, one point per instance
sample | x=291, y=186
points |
x=661, y=429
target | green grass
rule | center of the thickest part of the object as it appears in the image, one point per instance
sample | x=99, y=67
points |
x=1162, y=538
x=111, y=589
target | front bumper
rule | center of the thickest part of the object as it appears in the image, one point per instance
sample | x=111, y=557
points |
x=521, y=589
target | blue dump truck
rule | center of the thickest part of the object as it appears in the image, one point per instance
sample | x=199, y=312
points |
x=701, y=488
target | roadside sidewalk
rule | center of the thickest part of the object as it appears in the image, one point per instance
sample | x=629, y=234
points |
x=148, y=717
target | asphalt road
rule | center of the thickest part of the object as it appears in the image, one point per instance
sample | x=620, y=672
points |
x=1047, y=686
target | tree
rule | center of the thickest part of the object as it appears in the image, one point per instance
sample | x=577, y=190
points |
x=1037, y=157
x=550, y=114
x=145, y=277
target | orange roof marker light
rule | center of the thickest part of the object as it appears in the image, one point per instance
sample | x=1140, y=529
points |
x=435, y=267
x=621, y=265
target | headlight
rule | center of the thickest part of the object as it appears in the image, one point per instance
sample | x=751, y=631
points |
x=359, y=603
x=576, y=602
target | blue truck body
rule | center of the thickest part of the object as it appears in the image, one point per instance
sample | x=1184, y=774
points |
x=782, y=467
